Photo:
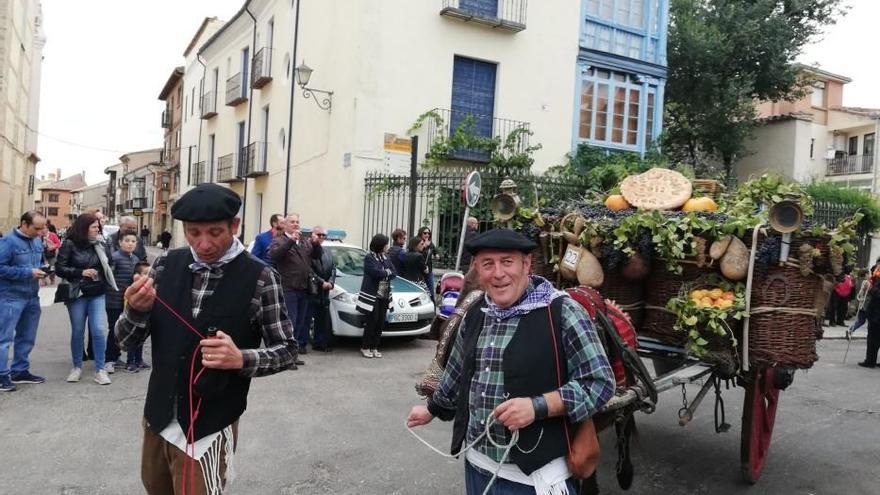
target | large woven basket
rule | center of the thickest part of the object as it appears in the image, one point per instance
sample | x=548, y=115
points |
x=783, y=326
x=661, y=286
x=708, y=187
x=629, y=295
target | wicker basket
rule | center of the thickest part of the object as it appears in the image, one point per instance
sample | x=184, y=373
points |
x=629, y=295
x=662, y=285
x=708, y=187
x=783, y=326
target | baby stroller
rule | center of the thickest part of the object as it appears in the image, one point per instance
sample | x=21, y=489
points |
x=451, y=285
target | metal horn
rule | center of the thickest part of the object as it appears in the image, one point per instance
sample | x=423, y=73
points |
x=785, y=217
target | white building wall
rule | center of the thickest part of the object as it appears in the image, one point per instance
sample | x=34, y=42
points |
x=386, y=63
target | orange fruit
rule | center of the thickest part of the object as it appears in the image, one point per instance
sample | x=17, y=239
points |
x=617, y=202
x=730, y=296
x=700, y=204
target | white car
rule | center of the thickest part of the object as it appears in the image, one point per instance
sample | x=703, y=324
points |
x=109, y=230
x=411, y=311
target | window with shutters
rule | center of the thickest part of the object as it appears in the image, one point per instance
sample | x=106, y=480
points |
x=473, y=95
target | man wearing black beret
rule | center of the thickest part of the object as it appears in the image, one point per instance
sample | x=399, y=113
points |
x=218, y=303
x=526, y=359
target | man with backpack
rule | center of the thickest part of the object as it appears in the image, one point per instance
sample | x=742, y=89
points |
x=526, y=360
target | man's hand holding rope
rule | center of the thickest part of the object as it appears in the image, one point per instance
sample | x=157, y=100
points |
x=221, y=352
x=141, y=294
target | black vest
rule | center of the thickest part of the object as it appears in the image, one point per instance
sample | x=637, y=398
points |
x=223, y=392
x=529, y=370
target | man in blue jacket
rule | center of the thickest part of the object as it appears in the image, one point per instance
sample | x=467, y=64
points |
x=260, y=248
x=21, y=255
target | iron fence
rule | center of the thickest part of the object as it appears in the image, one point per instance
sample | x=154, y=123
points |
x=829, y=214
x=438, y=203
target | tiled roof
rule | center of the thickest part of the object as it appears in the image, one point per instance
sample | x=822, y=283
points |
x=871, y=113
x=806, y=116
x=67, y=184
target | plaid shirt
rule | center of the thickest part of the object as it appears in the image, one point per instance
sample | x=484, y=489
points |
x=267, y=309
x=591, y=381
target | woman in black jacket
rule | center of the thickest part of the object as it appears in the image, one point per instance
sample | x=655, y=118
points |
x=83, y=261
x=413, y=267
x=375, y=294
x=872, y=310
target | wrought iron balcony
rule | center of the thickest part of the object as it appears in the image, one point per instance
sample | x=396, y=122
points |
x=850, y=165
x=226, y=169
x=136, y=203
x=209, y=105
x=198, y=174
x=262, y=68
x=166, y=119
x=252, y=160
x=236, y=92
x=506, y=15
x=447, y=122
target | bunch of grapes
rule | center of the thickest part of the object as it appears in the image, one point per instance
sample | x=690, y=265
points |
x=768, y=254
x=611, y=258
x=531, y=231
x=644, y=244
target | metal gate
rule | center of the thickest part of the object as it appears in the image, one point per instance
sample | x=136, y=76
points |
x=438, y=205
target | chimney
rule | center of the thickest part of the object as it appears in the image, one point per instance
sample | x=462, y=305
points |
x=57, y=174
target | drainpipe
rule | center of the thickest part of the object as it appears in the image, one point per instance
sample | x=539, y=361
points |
x=201, y=120
x=290, y=112
x=252, y=52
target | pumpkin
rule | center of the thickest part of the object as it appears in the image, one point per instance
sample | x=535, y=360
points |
x=700, y=204
x=617, y=202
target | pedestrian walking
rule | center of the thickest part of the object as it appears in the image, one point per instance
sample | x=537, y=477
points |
x=165, y=239
x=323, y=279
x=527, y=359
x=145, y=236
x=412, y=263
x=375, y=294
x=51, y=245
x=21, y=252
x=292, y=254
x=199, y=384
x=83, y=261
x=429, y=253
x=123, y=262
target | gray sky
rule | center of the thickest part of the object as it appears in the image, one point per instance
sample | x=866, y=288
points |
x=106, y=61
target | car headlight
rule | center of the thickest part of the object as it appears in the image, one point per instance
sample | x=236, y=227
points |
x=346, y=297
x=424, y=299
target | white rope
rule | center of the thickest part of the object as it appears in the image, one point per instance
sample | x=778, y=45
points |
x=514, y=438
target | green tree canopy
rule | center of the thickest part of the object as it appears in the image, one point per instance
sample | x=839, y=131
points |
x=723, y=56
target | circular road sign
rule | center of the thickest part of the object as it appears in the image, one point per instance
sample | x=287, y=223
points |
x=472, y=184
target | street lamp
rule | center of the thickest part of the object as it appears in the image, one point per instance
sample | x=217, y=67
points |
x=303, y=73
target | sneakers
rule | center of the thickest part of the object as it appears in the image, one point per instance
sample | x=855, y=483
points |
x=74, y=375
x=26, y=377
x=144, y=366
x=865, y=364
x=101, y=378
x=6, y=384
x=110, y=367
x=132, y=368
x=376, y=353
x=367, y=353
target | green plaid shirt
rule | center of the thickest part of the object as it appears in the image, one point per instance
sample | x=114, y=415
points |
x=591, y=381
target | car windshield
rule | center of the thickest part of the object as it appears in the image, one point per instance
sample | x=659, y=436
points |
x=349, y=260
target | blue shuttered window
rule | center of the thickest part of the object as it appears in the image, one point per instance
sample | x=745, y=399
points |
x=485, y=8
x=473, y=93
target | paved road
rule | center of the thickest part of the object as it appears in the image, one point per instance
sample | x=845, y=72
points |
x=336, y=426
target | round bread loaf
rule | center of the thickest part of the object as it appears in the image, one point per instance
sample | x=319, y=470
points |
x=657, y=189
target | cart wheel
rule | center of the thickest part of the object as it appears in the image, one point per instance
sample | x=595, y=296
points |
x=759, y=415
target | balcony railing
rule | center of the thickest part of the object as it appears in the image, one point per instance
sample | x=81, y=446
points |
x=209, y=105
x=506, y=15
x=141, y=202
x=262, y=68
x=198, y=174
x=235, y=93
x=226, y=169
x=252, y=160
x=448, y=121
x=851, y=164
x=166, y=119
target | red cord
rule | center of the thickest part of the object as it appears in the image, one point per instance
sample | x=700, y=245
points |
x=189, y=469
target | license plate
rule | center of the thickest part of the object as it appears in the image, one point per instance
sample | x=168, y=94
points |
x=402, y=317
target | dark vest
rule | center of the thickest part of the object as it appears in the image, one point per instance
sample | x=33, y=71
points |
x=529, y=370
x=223, y=392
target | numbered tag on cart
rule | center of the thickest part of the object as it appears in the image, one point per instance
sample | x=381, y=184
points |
x=571, y=257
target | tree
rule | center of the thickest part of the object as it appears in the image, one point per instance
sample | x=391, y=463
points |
x=723, y=56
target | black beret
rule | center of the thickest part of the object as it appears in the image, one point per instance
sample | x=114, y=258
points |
x=500, y=239
x=206, y=203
